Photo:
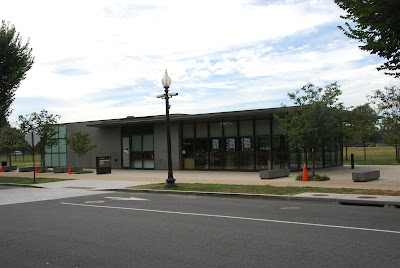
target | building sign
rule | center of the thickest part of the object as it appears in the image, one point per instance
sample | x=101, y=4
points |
x=103, y=164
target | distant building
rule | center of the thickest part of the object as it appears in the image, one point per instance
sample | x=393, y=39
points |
x=241, y=140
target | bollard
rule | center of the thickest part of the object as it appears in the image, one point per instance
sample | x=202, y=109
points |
x=352, y=161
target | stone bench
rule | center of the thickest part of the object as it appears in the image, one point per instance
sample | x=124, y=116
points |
x=31, y=169
x=9, y=168
x=275, y=173
x=65, y=169
x=366, y=175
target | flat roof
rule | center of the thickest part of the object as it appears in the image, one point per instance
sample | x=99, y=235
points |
x=132, y=120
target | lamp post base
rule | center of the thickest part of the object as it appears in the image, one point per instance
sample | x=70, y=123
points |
x=170, y=183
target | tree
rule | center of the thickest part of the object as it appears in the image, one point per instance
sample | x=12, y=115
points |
x=388, y=104
x=377, y=25
x=15, y=61
x=43, y=124
x=363, y=123
x=80, y=144
x=318, y=123
x=10, y=140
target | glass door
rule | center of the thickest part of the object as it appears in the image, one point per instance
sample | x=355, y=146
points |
x=142, y=151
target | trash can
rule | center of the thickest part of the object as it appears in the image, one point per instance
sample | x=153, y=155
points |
x=3, y=163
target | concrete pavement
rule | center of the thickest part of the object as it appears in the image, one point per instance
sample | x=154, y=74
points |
x=340, y=177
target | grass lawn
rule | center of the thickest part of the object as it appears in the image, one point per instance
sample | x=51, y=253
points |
x=22, y=160
x=17, y=180
x=385, y=155
x=264, y=189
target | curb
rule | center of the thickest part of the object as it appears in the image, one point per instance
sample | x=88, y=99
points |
x=21, y=185
x=343, y=201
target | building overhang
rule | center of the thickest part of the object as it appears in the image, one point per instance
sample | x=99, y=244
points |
x=234, y=115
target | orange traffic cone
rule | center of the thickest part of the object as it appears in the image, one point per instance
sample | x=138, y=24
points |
x=36, y=170
x=304, y=176
x=69, y=171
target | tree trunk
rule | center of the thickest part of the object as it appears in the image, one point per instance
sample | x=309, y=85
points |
x=346, y=154
x=313, y=162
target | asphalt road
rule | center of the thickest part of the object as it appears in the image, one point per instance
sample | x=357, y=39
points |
x=157, y=230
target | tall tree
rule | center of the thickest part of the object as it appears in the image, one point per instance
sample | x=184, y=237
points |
x=376, y=24
x=363, y=123
x=10, y=140
x=43, y=124
x=318, y=123
x=80, y=143
x=15, y=61
x=388, y=104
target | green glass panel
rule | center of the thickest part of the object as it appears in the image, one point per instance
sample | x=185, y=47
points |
x=201, y=130
x=246, y=128
x=62, y=131
x=148, y=142
x=137, y=143
x=230, y=129
x=188, y=131
x=216, y=129
x=62, y=146
x=262, y=127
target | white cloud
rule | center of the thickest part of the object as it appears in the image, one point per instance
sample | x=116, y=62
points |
x=98, y=59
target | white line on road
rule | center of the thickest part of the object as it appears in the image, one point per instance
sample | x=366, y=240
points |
x=127, y=198
x=235, y=217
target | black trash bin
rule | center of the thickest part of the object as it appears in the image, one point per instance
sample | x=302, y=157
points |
x=3, y=163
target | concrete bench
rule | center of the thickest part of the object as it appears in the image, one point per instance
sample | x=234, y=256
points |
x=65, y=169
x=366, y=175
x=9, y=168
x=31, y=169
x=275, y=173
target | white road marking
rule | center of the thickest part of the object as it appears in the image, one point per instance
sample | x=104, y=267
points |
x=127, y=198
x=238, y=218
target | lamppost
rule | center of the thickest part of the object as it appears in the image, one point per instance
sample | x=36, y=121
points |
x=166, y=82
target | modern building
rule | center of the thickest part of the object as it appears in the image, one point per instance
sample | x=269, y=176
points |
x=248, y=140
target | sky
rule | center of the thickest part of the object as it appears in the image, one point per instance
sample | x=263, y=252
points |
x=104, y=59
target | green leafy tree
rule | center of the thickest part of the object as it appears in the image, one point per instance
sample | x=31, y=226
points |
x=10, y=140
x=43, y=124
x=363, y=123
x=15, y=61
x=376, y=24
x=80, y=143
x=318, y=122
x=388, y=104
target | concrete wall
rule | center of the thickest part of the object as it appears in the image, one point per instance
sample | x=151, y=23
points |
x=108, y=142
x=160, y=146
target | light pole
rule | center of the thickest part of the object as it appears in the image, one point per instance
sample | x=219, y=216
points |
x=166, y=82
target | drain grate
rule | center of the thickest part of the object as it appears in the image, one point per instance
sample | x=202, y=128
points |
x=366, y=197
x=320, y=194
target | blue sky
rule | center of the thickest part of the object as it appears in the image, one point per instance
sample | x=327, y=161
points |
x=102, y=59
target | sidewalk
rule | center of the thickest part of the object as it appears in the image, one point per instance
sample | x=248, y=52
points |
x=340, y=177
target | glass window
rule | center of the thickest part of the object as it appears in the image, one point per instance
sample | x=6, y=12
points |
x=188, y=131
x=230, y=129
x=246, y=128
x=201, y=130
x=62, y=146
x=48, y=160
x=148, y=142
x=262, y=127
x=276, y=129
x=62, y=131
x=137, y=143
x=63, y=160
x=216, y=129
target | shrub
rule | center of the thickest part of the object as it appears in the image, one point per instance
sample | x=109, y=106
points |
x=316, y=177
